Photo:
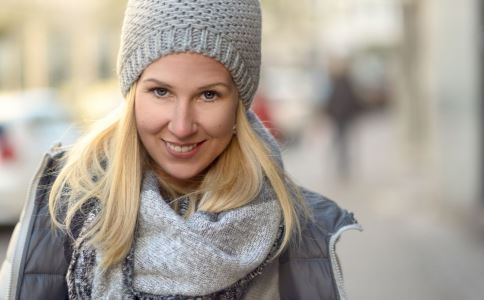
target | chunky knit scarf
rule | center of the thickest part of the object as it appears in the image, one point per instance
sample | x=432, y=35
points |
x=211, y=255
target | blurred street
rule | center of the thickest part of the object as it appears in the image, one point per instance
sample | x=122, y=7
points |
x=367, y=98
x=411, y=247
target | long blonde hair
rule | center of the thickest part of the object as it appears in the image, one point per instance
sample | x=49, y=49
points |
x=107, y=164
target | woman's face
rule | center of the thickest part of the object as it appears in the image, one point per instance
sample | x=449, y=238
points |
x=185, y=110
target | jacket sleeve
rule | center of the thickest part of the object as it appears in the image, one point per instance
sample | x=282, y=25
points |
x=6, y=269
x=35, y=265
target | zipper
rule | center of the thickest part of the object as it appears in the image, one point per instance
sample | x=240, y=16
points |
x=24, y=230
x=335, y=265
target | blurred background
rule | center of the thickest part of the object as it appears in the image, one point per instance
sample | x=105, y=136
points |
x=377, y=104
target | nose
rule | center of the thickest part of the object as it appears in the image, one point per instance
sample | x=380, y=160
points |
x=182, y=123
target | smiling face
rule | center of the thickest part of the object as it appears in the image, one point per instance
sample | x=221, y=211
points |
x=185, y=108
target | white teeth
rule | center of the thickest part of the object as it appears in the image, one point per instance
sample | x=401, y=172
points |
x=181, y=149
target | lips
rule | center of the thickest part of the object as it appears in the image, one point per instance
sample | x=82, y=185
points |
x=182, y=150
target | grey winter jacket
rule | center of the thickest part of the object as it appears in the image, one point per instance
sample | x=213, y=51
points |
x=37, y=257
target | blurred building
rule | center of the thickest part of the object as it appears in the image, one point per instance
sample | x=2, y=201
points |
x=58, y=44
x=440, y=95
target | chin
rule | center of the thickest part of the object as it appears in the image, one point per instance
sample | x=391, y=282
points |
x=181, y=175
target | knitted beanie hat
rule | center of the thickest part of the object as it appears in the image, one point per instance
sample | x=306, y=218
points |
x=226, y=30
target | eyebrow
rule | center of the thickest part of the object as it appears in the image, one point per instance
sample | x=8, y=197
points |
x=157, y=82
x=211, y=85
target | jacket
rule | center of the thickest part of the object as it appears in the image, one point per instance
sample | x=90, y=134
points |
x=36, y=264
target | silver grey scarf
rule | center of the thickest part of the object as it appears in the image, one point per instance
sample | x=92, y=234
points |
x=212, y=255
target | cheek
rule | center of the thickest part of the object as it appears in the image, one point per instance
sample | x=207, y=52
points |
x=220, y=124
x=149, y=120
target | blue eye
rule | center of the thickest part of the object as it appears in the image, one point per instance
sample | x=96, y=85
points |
x=160, y=92
x=210, y=95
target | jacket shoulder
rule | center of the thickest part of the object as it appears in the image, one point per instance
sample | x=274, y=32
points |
x=326, y=220
x=326, y=215
x=309, y=268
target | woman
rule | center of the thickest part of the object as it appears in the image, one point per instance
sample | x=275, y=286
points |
x=181, y=193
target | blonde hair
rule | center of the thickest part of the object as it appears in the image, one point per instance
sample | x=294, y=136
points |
x=107, y=164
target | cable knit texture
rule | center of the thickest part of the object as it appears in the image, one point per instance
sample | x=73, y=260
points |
x=226, y=30
x=225, y=246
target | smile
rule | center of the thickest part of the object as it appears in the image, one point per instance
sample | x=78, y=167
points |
x=181, y=149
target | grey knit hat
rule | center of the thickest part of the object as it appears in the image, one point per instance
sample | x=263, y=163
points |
x=226, y=30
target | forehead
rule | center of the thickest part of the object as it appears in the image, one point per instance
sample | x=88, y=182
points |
x=189, y=66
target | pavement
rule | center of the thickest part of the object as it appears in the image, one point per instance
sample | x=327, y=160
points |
x=413, y=246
